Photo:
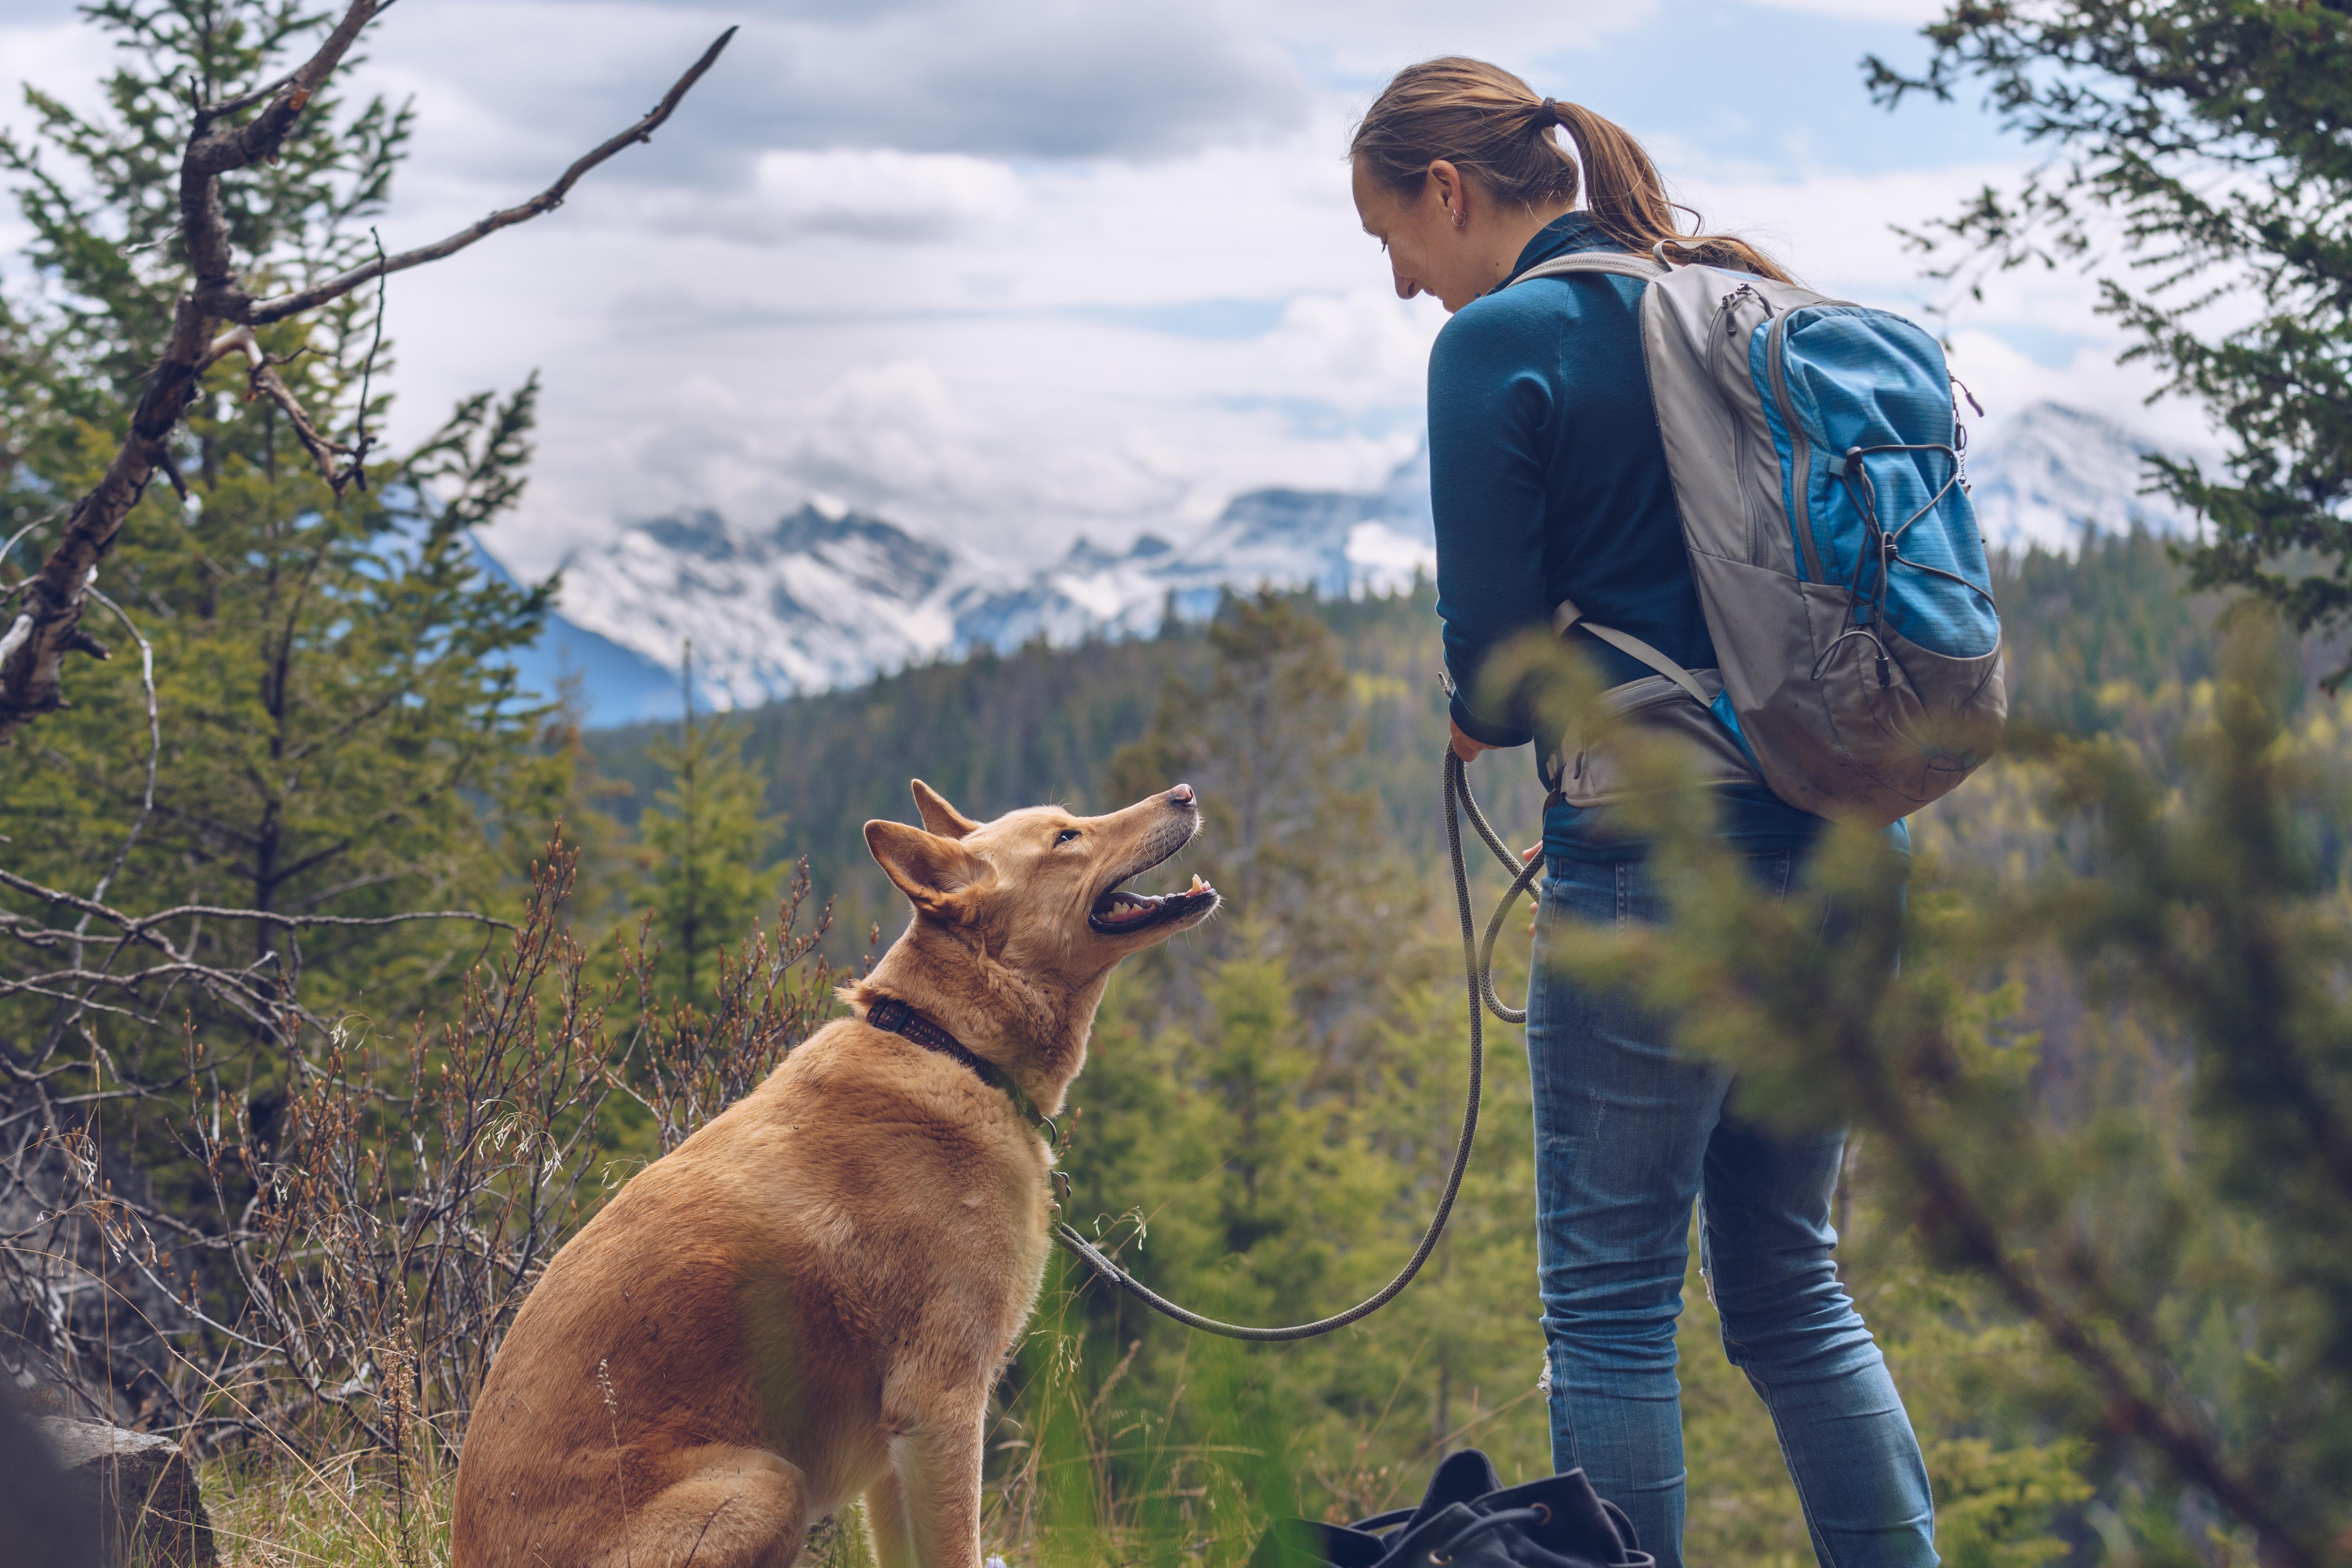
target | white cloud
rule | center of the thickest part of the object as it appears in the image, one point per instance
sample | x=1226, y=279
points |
x=1021, y=269
x=1903, y=13
x=1372, y=37
x=67, y=59
x=2007, y=381
x=879, y=194
x=1041, y=79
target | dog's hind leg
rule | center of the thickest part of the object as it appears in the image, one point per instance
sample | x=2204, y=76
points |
x=732, y=1508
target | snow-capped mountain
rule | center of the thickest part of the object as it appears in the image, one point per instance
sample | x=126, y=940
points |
x=821, y=599
x=2051, y=471
x=827, y=597
x=1337, y=543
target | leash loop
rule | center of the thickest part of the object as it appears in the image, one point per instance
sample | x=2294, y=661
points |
x=1477, y=961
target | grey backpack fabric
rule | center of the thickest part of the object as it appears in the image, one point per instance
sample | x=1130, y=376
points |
x=1814, y=454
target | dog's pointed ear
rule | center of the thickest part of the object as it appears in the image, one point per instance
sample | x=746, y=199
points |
x=936, y=874
x=938, y=815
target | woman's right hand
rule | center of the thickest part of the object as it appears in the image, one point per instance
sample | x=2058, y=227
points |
x=1464, y=746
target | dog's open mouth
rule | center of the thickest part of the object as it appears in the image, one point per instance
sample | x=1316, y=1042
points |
x=1118, y=911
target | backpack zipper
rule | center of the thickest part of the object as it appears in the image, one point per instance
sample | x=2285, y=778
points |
x=1799, y=447
x=1730, y=303
x=1726, y=310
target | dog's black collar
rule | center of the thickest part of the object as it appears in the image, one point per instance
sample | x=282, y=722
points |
x=897, y=1018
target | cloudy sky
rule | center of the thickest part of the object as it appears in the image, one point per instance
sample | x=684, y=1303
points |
x=1015, y=271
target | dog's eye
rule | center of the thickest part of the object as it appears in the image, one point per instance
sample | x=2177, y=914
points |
x=1066, y=836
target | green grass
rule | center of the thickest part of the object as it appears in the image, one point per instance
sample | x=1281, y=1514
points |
x=346, y=1512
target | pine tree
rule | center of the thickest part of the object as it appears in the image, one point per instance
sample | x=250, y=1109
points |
x=1273, y=739
x=2197, y=157
x=2103, y=1107
x=708, y=843
x=341, y=731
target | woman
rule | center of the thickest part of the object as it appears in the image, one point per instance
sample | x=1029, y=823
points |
x=1548, y=480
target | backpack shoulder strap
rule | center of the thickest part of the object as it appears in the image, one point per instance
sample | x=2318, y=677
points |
x=1567, y=616
x=1640, y=267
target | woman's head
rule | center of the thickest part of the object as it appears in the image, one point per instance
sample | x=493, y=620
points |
x=1456, y=168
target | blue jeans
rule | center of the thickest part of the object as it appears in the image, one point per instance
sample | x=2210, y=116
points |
x=1628, y=1133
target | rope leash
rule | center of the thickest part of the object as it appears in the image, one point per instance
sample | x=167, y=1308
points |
x=1477, y=964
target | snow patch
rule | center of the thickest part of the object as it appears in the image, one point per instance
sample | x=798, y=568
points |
x=2050, y=471
x=828, y=596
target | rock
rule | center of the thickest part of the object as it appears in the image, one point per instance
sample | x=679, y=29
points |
x=141, y=1489
x=35, y=1527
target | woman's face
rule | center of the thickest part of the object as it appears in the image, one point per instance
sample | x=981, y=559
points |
x=1428, y=251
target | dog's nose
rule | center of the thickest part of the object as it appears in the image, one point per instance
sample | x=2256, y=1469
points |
x=1181, y=796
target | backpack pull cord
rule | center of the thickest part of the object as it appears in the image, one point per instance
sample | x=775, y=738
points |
x=1960, y=431
x=1849, y=470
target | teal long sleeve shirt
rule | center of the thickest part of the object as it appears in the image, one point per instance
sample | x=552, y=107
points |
x=1548, y=482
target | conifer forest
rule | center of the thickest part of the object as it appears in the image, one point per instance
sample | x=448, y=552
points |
x=343, y=974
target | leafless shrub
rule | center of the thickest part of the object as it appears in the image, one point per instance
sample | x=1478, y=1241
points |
x=684, y=1068
x=354, y=1273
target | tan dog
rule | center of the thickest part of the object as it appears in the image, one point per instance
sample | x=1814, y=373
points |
x=809, y=1300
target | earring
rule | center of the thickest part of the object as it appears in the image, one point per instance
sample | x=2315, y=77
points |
x=1457, y=217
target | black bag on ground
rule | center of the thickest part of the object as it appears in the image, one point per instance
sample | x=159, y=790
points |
x=1469, y=1519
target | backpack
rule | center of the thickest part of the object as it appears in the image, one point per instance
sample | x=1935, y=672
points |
x=1467, y=1518
x=1814, y=448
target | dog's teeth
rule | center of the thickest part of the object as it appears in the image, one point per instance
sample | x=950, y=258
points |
x=1198, y=886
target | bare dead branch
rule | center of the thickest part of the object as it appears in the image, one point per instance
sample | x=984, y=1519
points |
x=264, y=312
x=212, y=154
x=154, y=744
x=296, y=77
x=36, y=641
x=141, y=924
x=19, y=537
x=263, y=381
x=171, y=466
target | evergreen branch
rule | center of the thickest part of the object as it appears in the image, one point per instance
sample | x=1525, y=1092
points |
x=1956, y=1210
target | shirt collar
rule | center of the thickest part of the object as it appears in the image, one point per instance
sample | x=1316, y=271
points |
x=1565, y=235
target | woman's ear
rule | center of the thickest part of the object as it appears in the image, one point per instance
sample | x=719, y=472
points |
x=1453, y=191
x=938, y=875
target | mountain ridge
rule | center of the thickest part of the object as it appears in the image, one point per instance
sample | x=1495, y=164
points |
x=828, y=596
